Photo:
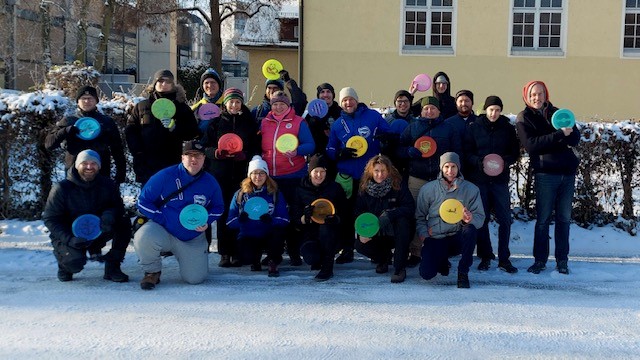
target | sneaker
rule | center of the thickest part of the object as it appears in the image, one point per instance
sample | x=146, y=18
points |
x=225, y=261
x=562, y=267
x=507, y=267
x=324, y=275
x=150, y=280
x=256, y=267
x=295, y=260
x=463, y=281
x=382, y=268
x=235, y=262
x=484, y=265
x=346, y=256
x=112, y=272
x=273, y=269
x=64, y=275
x=399, y=276
x=413, y=261
x=537, y=267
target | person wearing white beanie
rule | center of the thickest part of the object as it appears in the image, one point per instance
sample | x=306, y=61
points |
x=257, y=163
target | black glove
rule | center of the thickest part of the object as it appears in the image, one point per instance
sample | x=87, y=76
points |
x=107, y=220
x=79, y=243
x=266, y=218
x=308, y=211
x=223, y=154
x=243, y=217
x=384, y=221
x=284, y=75
x=71, y=130
x=347, y=153
x=332, y=220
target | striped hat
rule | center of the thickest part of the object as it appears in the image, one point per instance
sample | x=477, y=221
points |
x=232, y=93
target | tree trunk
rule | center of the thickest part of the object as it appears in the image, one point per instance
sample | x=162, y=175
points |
x=216, y=41
x=45, y=18
x=80, y=53
x=107, y=21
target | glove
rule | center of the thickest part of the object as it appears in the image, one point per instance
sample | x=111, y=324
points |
x=243, y=217
x=266, y=218
x=414, y=153
x=384, y=221
x=170, y=124
x=308, y=211
x=79, y=243
x=347, y=153
x=71, y=130
x=284, y=75
x=107, y=220
x=332, y=220
x=222, y=154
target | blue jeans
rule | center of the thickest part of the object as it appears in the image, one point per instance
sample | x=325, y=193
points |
x=553, y=193
x=496, y=197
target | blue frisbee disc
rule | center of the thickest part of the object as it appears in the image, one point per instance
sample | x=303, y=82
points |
x=317, y=108
x=256, y=207
x=563, y=118
x=193, y=216
x=86, y=226
x=88, y=128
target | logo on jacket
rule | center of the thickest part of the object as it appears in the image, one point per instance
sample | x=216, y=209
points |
x=288, y=126
x=200, y=199
x=364, y=131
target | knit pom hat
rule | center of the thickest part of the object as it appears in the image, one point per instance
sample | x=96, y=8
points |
x=466, y=93
x=257, y=163
x=232, y=93
x=430, y=100
x=348, y=92
x=87, y=90
x=88, y=155
x=492, y=100
x=325, y=86
x=280, y=96
x=211, y=73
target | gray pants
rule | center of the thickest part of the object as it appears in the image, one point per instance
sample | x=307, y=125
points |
x=192, y=256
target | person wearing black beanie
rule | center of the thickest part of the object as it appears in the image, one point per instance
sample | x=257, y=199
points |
x=320, y=126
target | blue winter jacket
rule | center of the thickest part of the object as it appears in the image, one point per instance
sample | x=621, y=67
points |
x=205, y=192
x=364, y=122
x=258, y=228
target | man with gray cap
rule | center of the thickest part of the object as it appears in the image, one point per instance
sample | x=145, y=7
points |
x=86, y=192
x=106, y=142
x=442, y=236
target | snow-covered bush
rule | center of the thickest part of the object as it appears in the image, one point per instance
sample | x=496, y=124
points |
x=189, y=77
x=70, y=77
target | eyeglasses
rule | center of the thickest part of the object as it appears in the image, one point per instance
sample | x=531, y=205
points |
x=259, y=173
x=402, y=101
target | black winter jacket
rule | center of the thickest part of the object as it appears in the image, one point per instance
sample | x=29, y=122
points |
x=307, y=193
x=320, y=126
x=397, y=203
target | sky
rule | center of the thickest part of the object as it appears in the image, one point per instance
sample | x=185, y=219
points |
x=593, y=312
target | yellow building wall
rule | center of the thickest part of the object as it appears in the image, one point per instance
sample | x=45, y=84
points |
x=257, y=57
x=358, y=43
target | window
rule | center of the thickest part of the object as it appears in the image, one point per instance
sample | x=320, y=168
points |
x=631, y=33
x=428, y=26
x=537, y=28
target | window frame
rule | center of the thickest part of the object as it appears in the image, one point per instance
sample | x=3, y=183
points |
x=628, y=52
x=427, y=49
x=537, y=51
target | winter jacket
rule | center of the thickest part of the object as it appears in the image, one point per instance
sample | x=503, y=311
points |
x=442, y=133
x=363, y=122
x=433, y=194
x=258, y=228
x=320, y=127
x=398, y=123
x=397, y=203
x=549, y=150
x=153, y=146
x=229, y=172
x=73, y=197
x=279, y=164
x=307, y=193
x=447, y=102
x=484, y=137
x=107, y=144
x=204, y=124
x=459, y=124
x=205, y=191
x=298, y=102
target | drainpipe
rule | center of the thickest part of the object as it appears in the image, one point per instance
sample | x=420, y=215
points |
x=300, y=42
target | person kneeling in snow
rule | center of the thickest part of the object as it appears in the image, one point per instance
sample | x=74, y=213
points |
x=86, y=192
x=441, y=239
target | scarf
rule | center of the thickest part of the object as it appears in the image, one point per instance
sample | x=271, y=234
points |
x=379, y=190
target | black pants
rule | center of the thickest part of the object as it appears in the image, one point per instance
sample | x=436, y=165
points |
x=288, y=187
x=319, y=243
x=250, y=249
x=379, y=248
x=227, y=244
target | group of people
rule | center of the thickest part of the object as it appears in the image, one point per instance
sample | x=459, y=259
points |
x=265, y=197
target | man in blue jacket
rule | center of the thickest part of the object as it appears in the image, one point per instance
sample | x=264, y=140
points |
x=164, y=232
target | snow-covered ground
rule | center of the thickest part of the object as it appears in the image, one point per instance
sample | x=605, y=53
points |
x=592, y=313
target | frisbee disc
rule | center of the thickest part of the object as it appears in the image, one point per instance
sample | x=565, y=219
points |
x=256, y=207
x=493, y=164
x=563, y=118
x=163, y=109
x=230, y=142
x=286, y=142
x=86, y=226
x=426, y=145
x=193, y=216
x=208, y=111
x=367, y=225
x=271, y=69
x=451, y=211
x=359, y=143
x=88, y=128
x=318, y=108
x=423, y=82
x=321, y=209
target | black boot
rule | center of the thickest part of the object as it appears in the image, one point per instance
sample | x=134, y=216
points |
x=64, y=275
x=326, y=269
x=112, y=272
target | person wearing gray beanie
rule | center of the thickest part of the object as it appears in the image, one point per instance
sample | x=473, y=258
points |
x=88, y=155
